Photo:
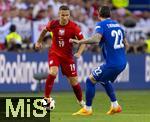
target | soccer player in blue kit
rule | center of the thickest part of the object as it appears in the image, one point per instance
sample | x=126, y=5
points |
x=110, y=36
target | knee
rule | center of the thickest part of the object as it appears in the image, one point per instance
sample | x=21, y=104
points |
x=89, y=81
x=73, y=81
x=104, y=83
x=53, y=72
x=92, y=79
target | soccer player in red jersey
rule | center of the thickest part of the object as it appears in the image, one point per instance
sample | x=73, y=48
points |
x=60, y=53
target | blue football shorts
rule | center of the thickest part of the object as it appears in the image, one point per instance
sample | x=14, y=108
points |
x=105, y=73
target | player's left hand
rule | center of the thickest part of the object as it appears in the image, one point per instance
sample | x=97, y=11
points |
x=74, y=41
x=77, y=55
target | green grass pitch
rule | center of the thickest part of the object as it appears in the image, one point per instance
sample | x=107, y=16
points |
x=135, y=104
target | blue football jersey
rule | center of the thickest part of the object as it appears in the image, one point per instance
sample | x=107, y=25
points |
x=112, y=42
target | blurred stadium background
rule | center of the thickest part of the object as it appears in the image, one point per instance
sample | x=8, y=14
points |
x=20, y=65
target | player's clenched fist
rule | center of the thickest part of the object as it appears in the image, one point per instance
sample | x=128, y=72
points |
x=38, y=45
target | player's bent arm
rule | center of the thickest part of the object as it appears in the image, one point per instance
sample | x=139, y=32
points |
x=81, y=49
x=126, y=43
x=94, y=39
x=40, y=39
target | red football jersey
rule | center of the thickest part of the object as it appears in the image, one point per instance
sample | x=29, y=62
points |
x=61, y=35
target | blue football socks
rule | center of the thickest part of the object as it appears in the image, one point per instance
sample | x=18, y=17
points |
x=90, y=92
x=109, y=90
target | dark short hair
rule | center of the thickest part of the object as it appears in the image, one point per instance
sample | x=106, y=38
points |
x=12, y=28
x=63, y=7
x=104, y=12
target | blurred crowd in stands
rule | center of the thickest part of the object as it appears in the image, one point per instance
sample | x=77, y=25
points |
x=21, y=14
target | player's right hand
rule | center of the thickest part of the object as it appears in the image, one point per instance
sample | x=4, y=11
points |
x=38, y=45
x=74, y=41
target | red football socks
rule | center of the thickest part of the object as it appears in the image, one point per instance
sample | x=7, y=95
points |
x=78, y=92
x=49, y=85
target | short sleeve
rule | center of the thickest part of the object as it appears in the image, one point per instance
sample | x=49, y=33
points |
x=78, y=33
x=48, y=26
x=99, y=28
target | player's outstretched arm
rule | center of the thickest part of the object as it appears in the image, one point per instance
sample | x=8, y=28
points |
x=38, y=44
x=92, y=40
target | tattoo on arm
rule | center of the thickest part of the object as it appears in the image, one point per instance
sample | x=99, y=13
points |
x=44, y=31
x=94, y=39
